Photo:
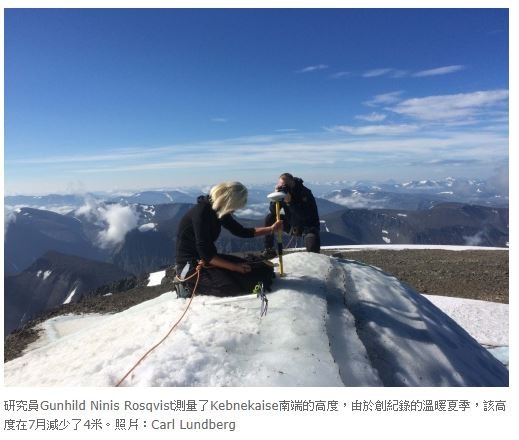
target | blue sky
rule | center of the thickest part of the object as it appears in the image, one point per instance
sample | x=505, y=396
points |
x=112, y=99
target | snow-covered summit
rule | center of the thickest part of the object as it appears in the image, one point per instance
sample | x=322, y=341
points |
x=330, y=322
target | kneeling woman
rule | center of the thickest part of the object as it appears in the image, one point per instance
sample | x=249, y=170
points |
x=222, y=275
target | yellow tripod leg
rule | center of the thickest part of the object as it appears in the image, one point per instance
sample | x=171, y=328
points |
x=280, y=239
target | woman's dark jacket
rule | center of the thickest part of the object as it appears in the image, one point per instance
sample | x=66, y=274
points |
x=200, y=228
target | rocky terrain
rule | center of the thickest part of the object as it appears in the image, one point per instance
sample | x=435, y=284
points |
x=479, y=275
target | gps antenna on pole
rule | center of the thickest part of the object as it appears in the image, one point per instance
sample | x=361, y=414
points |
x=277, y=197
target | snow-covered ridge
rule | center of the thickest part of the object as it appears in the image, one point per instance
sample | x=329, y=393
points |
x=330, y=322
x=397, y=247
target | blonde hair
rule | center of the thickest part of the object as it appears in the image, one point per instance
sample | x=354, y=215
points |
x=227, y=197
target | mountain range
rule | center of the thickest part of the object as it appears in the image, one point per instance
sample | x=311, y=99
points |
x=151, y=244
x=41, y=241
x=52, y=280
x=351, y=194
x=33, y=232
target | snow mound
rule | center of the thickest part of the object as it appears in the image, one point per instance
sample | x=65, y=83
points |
x=330, y=322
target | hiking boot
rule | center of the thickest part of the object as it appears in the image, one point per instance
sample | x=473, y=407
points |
x=268, y=253
x=182, y=290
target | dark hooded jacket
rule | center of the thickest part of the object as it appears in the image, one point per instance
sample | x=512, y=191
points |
x=301, y=213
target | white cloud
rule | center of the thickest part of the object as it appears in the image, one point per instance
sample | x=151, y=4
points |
x=356, y=201
x=116, y=220
x=439, y=71
x=390, y=129
x=475, y=240
x=115, y=155
x=396, y=73
x=249, y=157
x=90, y=209
x=338, y=75
x=9, y=217
x=450, y=107
x=120, y=220
x=386, y=71
x=377, y=72
x=313, y=68
x=323, y=149
x=399, y=73
x=219, y=120
x=500, y=179
x=372, y=117
x=384, y=99
x=256, y=210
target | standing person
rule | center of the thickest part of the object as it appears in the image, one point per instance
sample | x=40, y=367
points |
x=221, y=275
x=300, y=215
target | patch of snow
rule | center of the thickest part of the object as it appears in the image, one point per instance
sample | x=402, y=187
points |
x=46, y=274
x=150, y=210
x=386, y=239
x=147, y=227
x=384, y=231
x=402, y=215
x=69, y=298
x=156, y=278
x=487, y=322
x=446, y=192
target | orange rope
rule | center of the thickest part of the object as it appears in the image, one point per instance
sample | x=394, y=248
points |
x=197, y=273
